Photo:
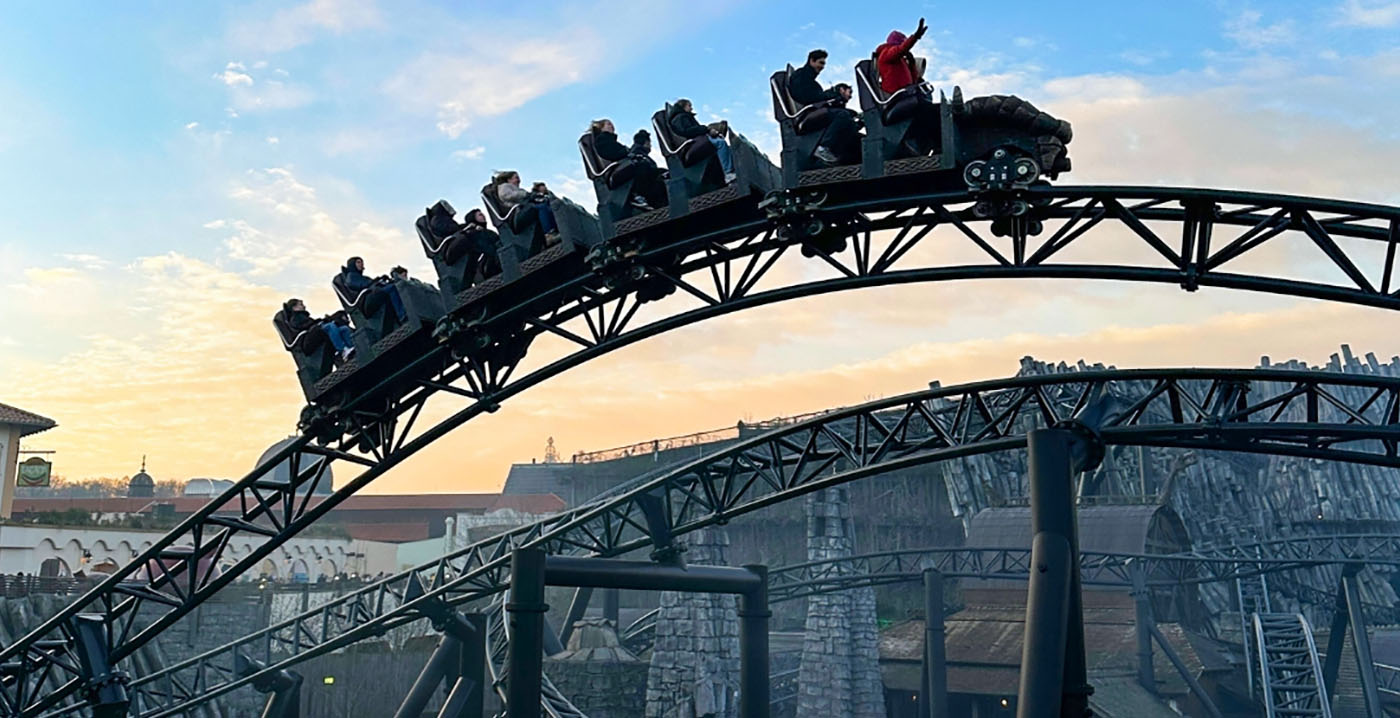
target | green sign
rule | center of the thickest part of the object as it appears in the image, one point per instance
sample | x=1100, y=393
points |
x=34, y=471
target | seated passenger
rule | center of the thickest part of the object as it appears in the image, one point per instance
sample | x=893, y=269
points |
x=649, y=191
x=399, y=272
x=840, y=142
x=899, y=71
x=510, y=194
x=352, y=277
x=474, y=240
x=332, y=328
x=682, y=122
x=641, y=148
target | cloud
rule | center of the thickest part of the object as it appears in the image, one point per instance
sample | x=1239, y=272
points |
x=1249, y=31
x=273, y=140
x=296, y=26
x=234, y=76
x=471, y=153
x=86, y=261
x=191, y=125
x=1368, y=13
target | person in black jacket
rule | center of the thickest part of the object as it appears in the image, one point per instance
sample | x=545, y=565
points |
x=474, y=240
x=352, y=278
x=649, y=192
x=840, y=143
x=681, y=120
x=331, y=328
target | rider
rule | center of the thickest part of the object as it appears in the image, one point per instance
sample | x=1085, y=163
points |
x=840, y=143
x=681, y=120
x=352, y=276
x=510, y=193
x=649, y=192
x=473, y=239
x=320, y=330
x=899, y=70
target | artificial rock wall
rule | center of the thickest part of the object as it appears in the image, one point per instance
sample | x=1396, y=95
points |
x=694, y=670
x=840, y=670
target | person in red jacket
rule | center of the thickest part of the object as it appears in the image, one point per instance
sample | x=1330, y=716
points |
x=900, y=73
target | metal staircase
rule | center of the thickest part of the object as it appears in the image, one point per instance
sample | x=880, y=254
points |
x=1289, y=670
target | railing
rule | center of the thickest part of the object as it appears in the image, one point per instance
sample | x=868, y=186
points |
x=710, y=436
x=21, y=585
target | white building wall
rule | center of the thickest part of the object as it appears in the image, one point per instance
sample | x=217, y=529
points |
x=23, y=549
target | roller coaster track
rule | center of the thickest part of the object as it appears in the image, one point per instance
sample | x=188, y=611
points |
x=1323, y=415
x=1290, y=673
x=1101, y=569
x=1349, y=249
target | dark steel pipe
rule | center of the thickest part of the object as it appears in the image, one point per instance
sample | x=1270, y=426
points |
x=1052, y=680
x=525, y=652
x=577, y=607
x=1361, y=644
x=436, y=667
x=1196, y=688
x=647, y=576
x=1143, y=620
x=1336, y=640
x=754, y=700
x=470, y=688
x=1043, y=650
x=935, y=652
x=611, y=612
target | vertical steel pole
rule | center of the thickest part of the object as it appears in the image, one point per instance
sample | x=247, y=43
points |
x=577, y=608
x=1052, y=675
x=753, y=647
x=610, y=608
x=525, y=652
x=1336, y=640
x=428, y=679
x=468, y=695
x=935, y=652
x=1142, y=602
x=1361, y=643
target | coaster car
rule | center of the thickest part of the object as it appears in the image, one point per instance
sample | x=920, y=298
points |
x=801, y=133
x=310, y=348
x=528, y=265
x=382, y=345
x=998, y=142
x=696, y=180
x=463, y=258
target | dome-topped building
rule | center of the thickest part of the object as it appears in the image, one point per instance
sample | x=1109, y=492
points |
x=283, y=472
x=141, y=486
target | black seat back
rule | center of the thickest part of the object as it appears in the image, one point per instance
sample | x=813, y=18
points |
x=594, y=165
x=290, y=337
x=672, y=144
x=500, y=216
x=785, y=109
x=349, y=299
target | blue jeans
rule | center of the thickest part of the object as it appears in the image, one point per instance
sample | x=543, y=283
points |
x=726, y=160
x=339, y=334
x=393, y=293
x=546, y=214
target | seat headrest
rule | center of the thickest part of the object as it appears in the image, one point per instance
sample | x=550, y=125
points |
x=445, y=206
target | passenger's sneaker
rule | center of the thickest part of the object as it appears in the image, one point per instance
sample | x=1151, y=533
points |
x=347, y=354
x=640, y=203
x=551, y=238
x=730, y=177
x=826, y=155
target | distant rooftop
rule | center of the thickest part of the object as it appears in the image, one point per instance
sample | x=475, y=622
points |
x=28, y=422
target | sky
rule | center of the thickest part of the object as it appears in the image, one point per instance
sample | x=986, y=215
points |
x=170, y=172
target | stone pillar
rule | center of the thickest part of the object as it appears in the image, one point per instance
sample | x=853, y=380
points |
x=840, y=671
x=695, y=662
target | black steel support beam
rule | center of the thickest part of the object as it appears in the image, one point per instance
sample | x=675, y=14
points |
x=525, y=652
x=103, y=685
x=935, y=651
x=1144, y=621
x=467, y=699
x=447, y=651
x=1054, y=678
x=1194, y=685
x=1361, y=644
x=577, y=607
x=754, y=614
